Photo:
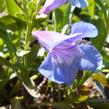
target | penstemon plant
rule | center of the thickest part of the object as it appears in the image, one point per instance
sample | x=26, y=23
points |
x=54, y=54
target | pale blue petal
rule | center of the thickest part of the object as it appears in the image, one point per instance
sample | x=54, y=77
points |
x=51, y=5
x=61, y=66
x=50, y=39
x=91, y=59
x=79, y=3
x=86, y=30
x=78, y=31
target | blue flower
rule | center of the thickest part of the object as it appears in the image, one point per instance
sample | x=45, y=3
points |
x=79, y=3
x=53, y=4
x=65, y=56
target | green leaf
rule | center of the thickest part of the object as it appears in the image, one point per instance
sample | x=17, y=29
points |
x=99, y=2
x=100, y=77
x=61, y=16
x=2, y=5
x=29, y=58
x=12, y=23
x=91, y=7
x=1, y=43
x=30, y=87
x=82, y=95
x=102, y=33
x=4, y=79
x=99, y=103
x=32, y=6
x=57, y=18
x=6, y=38
x=67, y=13
x=12, y=7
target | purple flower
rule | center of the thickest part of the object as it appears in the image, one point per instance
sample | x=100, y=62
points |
x=53, y=4
x=65, y=56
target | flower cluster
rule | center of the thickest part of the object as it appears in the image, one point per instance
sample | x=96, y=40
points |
x=65, y=55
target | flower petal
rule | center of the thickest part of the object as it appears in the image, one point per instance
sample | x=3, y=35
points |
x=86, y=30
x=79, y=3
x=61, y=66
x=51, y=5
x=91, y=59
x=78, y=31
x=48, y=39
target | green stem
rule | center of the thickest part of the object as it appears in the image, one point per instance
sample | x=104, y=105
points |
x=37, y=6
x=28, y=36
x=30, y=25
x=54, y=20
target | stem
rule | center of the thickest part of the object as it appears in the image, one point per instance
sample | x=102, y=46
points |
x=28, y=36
x=30, y=25
x=54, y=21
x=37, y=6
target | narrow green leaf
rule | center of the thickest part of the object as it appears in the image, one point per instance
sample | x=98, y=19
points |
x=99, y=2
x=2, y=5
x=7, y=41
x=57, y=18
x=12, y=7
x=91, y=7
x=30, y=87
x=102, y=33
x=67, y=13
x=100, y=78
x=12, y=23
x=99, y=103
x=30, y=57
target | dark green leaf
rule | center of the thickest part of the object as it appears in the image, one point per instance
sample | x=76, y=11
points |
x=12, y=23
x=102, y=33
